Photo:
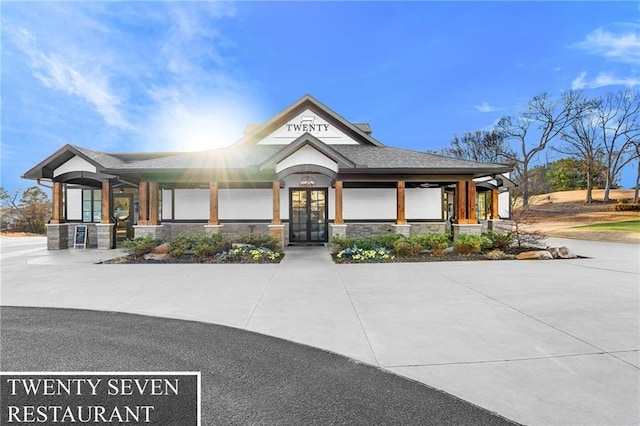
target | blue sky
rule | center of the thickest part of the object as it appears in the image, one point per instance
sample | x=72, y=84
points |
x=158, y=76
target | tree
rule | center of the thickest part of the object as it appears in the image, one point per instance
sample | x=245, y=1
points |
x=25, y=210
x=617, y=117
x=637, y=189
x=566, y=174
x=582, y=143
x=542, y=121
x=483, y=146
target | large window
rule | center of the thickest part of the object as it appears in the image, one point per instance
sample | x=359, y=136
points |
x=91, y=205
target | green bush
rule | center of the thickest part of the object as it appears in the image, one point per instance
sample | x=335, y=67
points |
x=407, y=248
x=250, y=254
x=139, y=246
x=436, y=242
x=500, y=241
x=179, y=246
x=467, y=243
x=355, y=254
x=387, y=241
x=259, y=240
x=210, y=245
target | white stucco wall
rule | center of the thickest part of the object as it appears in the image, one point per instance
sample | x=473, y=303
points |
x=75, y=164
x=166, y=204
x=423, y=203
x=369, y=203
x=315, y=125
x=503, y=205
x=191, y=204
x=307, y=155
x=245, y=204
x=74, y=204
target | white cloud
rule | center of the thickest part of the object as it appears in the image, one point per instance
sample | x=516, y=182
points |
x=602, y=80
x=485, y=107
x=88, y=84
x=623, y=47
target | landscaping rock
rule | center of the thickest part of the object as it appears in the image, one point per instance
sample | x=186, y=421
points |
x=156, y=256
x=561, y=253
x=534, y=255
x=566, y=253
x=161, y=249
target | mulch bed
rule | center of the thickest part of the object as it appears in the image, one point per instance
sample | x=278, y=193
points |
x=185, y=259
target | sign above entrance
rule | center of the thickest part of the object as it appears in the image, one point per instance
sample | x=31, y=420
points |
x=308, y=121
x=307, y=124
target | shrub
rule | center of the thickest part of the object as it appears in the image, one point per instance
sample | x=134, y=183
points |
x=139, y=246
x=179, y=246
x=407, y=248
x=259, y=240
x=436, y=242
x=210, y=245
x=626, y=207
x=379, y=254
x=467, y=243
x=499, y=241
x=387, y=241
x=496, y=255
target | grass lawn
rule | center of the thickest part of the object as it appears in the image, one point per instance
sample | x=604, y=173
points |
x=625, y=226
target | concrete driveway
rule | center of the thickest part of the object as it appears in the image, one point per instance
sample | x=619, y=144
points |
x=539, y=342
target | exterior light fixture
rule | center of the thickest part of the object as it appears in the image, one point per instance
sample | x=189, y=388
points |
x=307, y=181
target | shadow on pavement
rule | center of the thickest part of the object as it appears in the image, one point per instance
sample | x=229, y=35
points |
x=247, y=378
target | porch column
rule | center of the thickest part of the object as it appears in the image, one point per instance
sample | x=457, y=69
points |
x=276, y=228
x=461, y=202
x=154, y=204
x=400, y=214
x=57, y=214
x=104, y=229
x=143, y=196
x=275, y=220
x=338, y=200
x=213, y=204
x=494, y=204
x=466, y=221
x=471, y=202
x=106, y=202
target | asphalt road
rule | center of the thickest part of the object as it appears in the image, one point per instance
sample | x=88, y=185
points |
x=247, y=378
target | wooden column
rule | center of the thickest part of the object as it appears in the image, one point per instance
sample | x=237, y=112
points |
x=461, y=202
x=494, y=204
x=338, y=200
x=213, y=204
x=400, y=212
x=57, y=215
x=154, y=204
x=143, y=201
x=471, y=202
x=276, y=204
x=106, y=202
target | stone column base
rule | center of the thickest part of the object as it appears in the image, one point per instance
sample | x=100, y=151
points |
x=466, y=228
x=105, y=235
x=402, y=229
x=213, y=229
x=277, y=232
x=499, y=225
x=340, y=230
x=57, y=236
x=156, y=231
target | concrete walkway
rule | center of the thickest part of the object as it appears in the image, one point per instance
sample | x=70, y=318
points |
x=539, y=342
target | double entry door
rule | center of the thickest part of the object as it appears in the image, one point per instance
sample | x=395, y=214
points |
x=308, y=218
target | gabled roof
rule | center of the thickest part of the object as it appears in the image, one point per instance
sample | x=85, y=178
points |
x=359, y=132
x=307, y=139
x=45, y=168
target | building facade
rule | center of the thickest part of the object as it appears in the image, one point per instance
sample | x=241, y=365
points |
x=303, y=176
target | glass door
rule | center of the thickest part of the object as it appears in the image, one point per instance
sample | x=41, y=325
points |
x=308, y=215
x=123, y=215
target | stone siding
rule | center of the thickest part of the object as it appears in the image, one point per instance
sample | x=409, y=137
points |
x=363, y=230
x=173, y=229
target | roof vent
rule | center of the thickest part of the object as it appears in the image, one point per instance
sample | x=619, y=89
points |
x=364, y=127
